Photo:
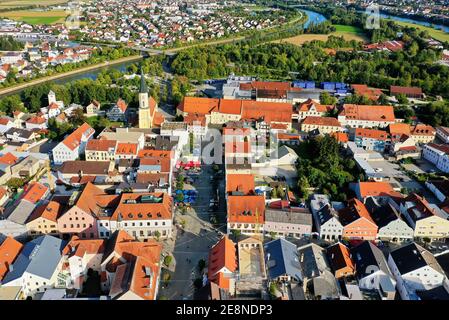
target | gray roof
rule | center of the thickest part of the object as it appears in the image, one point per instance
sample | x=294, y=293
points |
x=303, y=217
x=284, y=150
x=412, y=256
x=312, y=259
x=39, y=257
x=282, y=259
x=22, y=212
x=367, y=256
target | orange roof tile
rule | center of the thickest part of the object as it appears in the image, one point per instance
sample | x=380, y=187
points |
x=121, y=104
x=8, y=159
x=49, y=211
x=322, y=121
x=268, y=111
x=354, y=211
x=100, y=145
x=307, y=106
x=240, y=182
x=150, y=153
x=36, y=120
x=423, y=130
x=9, y=250
x=230, y=106
x=376, y=189
x=34, y=192
x=368, y=113
x=340, y=257
x=222, y=255
x=80, y=247
x=74, y=139
x=246, y=209
x=364, y=90
x=131, y=207
x=126, y=148
x=399, y=129
x=199, y=105
x=371, y=133
x=340, y=136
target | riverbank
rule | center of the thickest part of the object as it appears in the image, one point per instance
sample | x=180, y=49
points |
x=22, y=86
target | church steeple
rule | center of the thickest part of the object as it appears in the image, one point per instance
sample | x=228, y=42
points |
x=143, y=83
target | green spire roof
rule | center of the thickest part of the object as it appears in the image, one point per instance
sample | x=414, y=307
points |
x=143, y=83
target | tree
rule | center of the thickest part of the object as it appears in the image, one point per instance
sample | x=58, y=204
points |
x=402, y=98
x=168, y=260
x=274, y=193
x=201, y=265
x=15, y=183
x=157, y=234
x=327, y=99
x=77, y=117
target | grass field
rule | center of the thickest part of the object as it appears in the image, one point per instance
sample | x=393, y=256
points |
x=304, y=38
x=7, y=4
x=36, y=17
x=434, y=33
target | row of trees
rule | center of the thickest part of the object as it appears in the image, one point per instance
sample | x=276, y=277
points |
x=9, y=44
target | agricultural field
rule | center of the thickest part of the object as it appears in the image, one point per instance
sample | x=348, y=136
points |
x=36, y=17
x=8, y=4
x=347, y=32
x=434, y=33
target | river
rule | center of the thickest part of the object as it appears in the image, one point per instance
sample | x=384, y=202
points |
x=93, y=74
x=316, y=18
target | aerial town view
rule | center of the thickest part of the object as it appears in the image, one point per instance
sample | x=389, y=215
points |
x=263, y=151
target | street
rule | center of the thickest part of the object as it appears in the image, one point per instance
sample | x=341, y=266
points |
x=193, y=242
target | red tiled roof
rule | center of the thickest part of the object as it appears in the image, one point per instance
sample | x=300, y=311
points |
x=151, y=153
x=100, y=145
x=371, y=133
x=246, y=209
x=377, y=189
x=364, y=90
x=8, y=159
x=354, y=211
x=128, y=210
x=222, y=255
x=405, y=90
x=49, y=211
x=340, y=136
x=78, y=247
x=230, y=106
x=121, y=104
x=9, y=250
x=307, y=106
x=36, y=120
x=240, y=182
x=126, y=148
x=199, y=105
x=74, y=139
x=34, y=192
x=268, y=111
x=322, y=121
x=423, y=130
x=368, y=113
x=399, y=129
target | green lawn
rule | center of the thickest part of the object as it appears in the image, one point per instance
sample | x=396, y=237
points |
x=348, y=29
x=41, y=20
x=434, y=33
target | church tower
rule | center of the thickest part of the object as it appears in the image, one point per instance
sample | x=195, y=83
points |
x=144, y=108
